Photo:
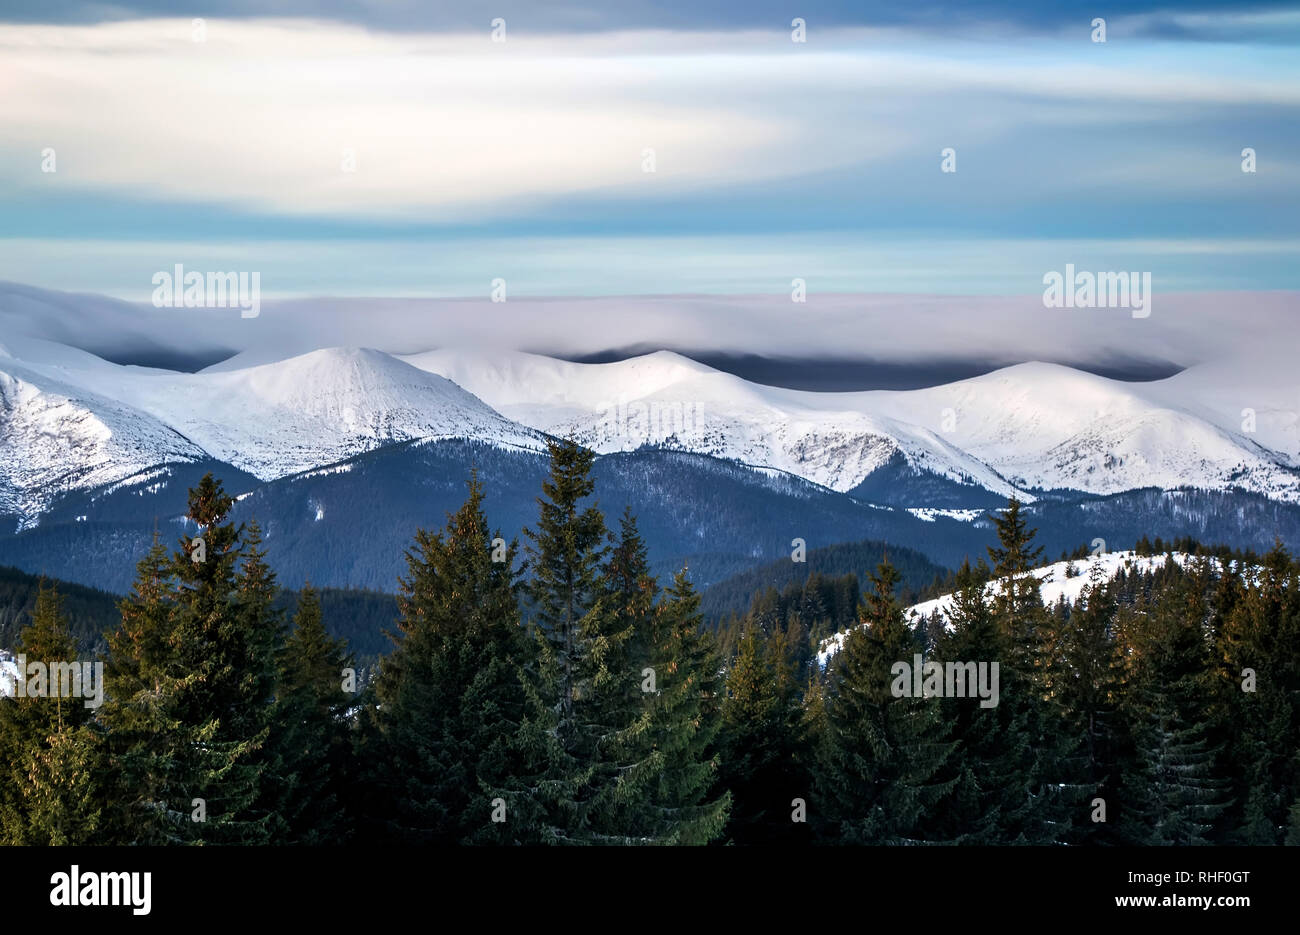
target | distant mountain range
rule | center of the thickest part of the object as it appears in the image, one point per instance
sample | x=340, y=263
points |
x=341, y=452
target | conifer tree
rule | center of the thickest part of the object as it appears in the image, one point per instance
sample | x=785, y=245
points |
x=882, y=778
x=1260, y=690
x=565, y=554
x=617, y=644
x=147, y=743
x=682, y=803
x=257, y=710
x=311, y=733
x=50, y=752
x=1174, y=794
x=758, y=754
x=191, y=684
x=1029, y=641
x=1018, y=603
x=1081, y=677
x=587, y=612
x=995, y=799
x=452, y=707
x=631, y=589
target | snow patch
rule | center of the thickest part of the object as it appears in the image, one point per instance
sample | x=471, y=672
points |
x=8, y=674
x=928, y=514
x=1053, y=586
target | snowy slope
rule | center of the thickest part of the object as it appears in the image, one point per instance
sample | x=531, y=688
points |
x=291, y=415
x=1031, y=426
x=664, y=398
x=1053, y=586
x=70, y=420
x=1048, y=426
x=57, y=436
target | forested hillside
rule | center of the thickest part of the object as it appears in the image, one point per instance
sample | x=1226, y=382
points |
x=552, y=689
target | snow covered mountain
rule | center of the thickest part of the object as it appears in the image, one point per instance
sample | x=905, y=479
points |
x=73, y=421
x=57, y=435
x=1023, y=428
x=667, y=399
x=69, y=420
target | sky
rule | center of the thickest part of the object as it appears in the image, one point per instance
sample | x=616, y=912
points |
x=356, y=148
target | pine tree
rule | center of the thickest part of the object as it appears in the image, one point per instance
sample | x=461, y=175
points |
x=1029, y=639
x=1174, y=793
x=50, y=752
x=311, y=732
x=190, y=682
x=685, y=716
x=995, y=797
x=450, y=731
x=1081, y=676
x=1259, y=688
x=758, y=763
x=882, y=779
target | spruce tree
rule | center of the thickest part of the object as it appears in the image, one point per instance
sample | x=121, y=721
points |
x=1081, y=678
x=51, y=758
x=257, y=711
x=617, y=642
x=1259, y=688
x=683, y=804
x=882, y=780
x=1017, y=602
x=191, y=677
x=758, y=764
x=1029, y=638
x=149, y=746
x=1174, y=794
x=565, y=553
x=588, y=612
x=311, y=734
x=451, y=721
x=995, y=797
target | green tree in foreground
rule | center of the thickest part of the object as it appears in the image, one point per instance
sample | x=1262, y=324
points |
x=451, y=697
x=50, y=752
x=191, y=677
x=883, y=772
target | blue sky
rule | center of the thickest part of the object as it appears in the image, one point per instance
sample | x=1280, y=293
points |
x=525, y=159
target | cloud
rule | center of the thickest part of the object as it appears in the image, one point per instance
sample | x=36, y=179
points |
x=1183, y=329
x=453, y=128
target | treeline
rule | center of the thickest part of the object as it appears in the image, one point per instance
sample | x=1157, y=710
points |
x=783, y=579
x=91, y=610
x=555, y=692
x=357, y=615
x=593, y=721
x=1159, y=708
